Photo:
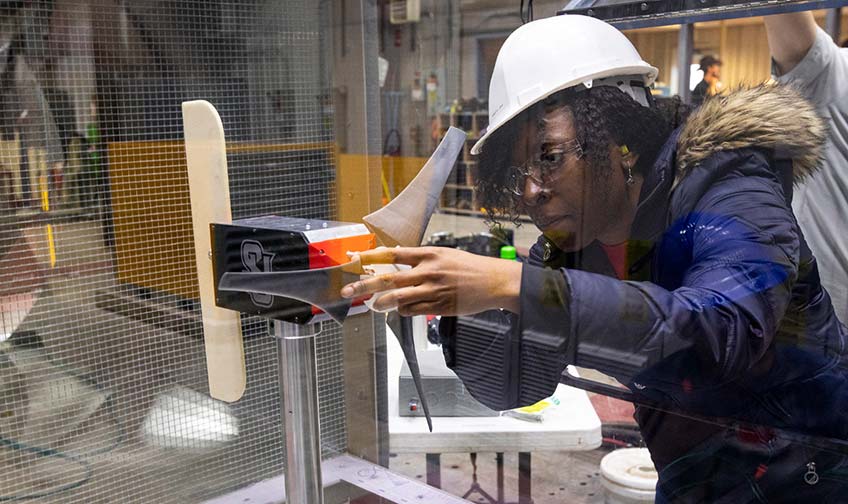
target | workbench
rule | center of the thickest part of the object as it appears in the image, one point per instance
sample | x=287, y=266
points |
x=571, y=426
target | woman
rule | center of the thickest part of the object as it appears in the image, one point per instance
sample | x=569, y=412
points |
x=669, y=259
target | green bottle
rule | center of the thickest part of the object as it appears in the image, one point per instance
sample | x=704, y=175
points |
x=508, y=252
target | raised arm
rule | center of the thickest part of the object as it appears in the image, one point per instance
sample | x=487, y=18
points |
x=790, y=37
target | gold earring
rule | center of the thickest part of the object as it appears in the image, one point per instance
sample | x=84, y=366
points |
x=625, y=151
x=630, y=180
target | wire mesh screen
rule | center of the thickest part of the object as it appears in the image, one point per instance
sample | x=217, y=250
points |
x=103, y=393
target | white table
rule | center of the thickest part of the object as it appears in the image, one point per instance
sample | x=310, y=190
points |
x=571, y=426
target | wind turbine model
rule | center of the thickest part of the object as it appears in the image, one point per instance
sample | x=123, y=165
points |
x=291, y=271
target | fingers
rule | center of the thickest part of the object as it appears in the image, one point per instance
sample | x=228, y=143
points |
x=409, y=301
x=380, y=283
x=397, y=255
x=373, y=285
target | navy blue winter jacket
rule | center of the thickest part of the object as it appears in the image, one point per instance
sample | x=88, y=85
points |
x=722, y=322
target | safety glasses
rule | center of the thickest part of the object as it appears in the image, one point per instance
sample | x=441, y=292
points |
x=543, y=169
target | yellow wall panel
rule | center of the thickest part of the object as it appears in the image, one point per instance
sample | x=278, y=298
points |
x=153, y=232
x=358, y=185
x=400, y=170
x=152, y=250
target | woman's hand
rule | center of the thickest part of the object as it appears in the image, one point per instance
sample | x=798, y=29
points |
x=442, y=281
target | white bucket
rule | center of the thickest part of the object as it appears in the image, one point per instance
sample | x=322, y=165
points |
x=628, y=477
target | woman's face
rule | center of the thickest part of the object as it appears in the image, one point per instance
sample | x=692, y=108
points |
x=582, y=203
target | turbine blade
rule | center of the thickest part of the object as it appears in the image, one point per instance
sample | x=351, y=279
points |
x=318, y=287
x=404, y=220
x=402, y=327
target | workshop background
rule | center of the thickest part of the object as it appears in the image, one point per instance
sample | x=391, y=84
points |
x=330, y=108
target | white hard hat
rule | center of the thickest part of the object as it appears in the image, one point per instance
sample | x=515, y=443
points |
x=549, y=55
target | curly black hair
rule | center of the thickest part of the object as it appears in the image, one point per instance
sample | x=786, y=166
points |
x=602, y=116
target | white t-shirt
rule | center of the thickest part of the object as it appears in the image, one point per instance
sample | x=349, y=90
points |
x=821, y=204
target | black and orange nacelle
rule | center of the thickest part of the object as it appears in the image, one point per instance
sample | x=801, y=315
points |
x=279, y=244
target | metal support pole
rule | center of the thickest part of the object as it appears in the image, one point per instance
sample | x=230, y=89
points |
x=499, y=459
x=685, y=46
x=832, y=21
x=434, y=469
x=525, y=477
x=299, y=390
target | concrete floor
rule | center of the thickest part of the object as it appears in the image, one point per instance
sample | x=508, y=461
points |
x=557, y=477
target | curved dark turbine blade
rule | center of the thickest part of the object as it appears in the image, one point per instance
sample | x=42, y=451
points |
x=402, y=327
x=404, y=219
x=318, y=287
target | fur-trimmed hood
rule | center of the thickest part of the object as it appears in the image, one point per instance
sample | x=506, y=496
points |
x=764, y=116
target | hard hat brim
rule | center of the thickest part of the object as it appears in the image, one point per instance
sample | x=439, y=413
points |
x=649, y=74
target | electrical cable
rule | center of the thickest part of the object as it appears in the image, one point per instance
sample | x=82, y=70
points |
x=47, y=452
x=529, y=17
x=50, y=452
x=616, y=442
x=392, y=143
x=77, y=458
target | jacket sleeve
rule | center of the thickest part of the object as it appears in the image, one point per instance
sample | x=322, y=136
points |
x=739, y=253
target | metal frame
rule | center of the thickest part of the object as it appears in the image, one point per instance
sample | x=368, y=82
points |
x=832, y=23
x=364, y=339
x=649, y=13
x=686, y=46
x=629, y=15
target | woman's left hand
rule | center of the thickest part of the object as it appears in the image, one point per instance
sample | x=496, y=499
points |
x=442, y=281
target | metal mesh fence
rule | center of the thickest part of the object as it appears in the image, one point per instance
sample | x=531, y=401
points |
x=103, y=394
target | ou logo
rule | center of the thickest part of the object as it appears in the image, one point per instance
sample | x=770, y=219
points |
x=256, y=260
